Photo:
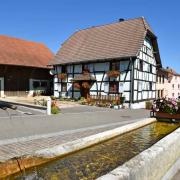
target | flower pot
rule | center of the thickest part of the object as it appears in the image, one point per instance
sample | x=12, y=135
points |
x=116, y=107
x=62, y=76
x=113, y=73
x=167, y=115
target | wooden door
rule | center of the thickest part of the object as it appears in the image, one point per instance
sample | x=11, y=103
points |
x=85, y=92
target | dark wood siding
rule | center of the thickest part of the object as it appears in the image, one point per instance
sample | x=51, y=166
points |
x=16, y=78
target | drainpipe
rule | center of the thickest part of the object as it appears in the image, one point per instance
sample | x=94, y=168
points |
x=132, y=83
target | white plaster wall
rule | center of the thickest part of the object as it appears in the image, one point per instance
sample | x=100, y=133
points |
x=123, y=74
x=167, y=87
x=126, y=95
x=2, y=87
x=56, y=94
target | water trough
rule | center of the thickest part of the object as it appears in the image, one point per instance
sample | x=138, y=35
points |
x=130, y=142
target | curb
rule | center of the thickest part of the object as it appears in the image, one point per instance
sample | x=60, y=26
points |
x=25, y=104
x=73, y=146
x=159, y=162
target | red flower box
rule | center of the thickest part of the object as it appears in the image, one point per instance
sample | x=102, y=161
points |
x=86, y=85
x=113, y=74
x=76, y=86
x=62, y=76
x=167, y=115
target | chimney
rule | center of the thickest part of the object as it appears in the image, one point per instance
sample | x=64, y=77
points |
x=121, y=20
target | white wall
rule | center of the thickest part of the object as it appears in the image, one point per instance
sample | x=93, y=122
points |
x=2, y=87
x=143, y=78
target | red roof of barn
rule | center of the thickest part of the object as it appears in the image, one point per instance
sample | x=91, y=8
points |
x=14, y=51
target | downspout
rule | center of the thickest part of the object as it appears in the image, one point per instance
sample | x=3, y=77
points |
x=132, y=83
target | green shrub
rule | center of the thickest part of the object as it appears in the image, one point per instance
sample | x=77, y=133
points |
x=55, y=110
x=122, y=100
x=148, y=104
x=53, y=97
x=82, y=99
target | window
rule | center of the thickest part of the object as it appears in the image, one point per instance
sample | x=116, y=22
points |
x=115, y=66
x=150, y=86
x=172, y=94
x=163, y=79
x=173, y=86
x=64, y=69
x=157, y=77
x=162, y=93
x=178, y=86
x=85, y=68
x=141, y=65
x=114, y=87
x=124, y=65
x=150, y=68
x=44, y=84
x=160, y=78
x=36, y=84
x=64, y=87
x=40, y=84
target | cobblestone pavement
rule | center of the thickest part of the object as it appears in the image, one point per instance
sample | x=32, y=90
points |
x=11, y=149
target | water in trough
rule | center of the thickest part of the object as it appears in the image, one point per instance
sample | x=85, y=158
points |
x=100, y=159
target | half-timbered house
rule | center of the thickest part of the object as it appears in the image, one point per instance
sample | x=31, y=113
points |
x=118, y=58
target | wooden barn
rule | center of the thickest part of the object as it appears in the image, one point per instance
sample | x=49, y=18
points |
x=114, y=59
x=23, y=67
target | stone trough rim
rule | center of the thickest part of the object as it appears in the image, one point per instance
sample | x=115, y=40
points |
x=91, y=140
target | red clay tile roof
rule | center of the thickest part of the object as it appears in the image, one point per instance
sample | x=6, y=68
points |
x=20, y=52
x=116, y=40
x=168, y=70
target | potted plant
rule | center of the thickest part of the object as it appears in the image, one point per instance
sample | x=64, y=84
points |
x=54, y=107
x=62, y=76
x=76, y=86
x=166, y=108
x=113, y=73
x=86, y=85
x=86, y=71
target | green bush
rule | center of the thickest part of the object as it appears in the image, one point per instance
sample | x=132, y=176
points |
x=82, y=99
x=53, y=97
x=148, y=104
x=55, y=110
x=122, y=100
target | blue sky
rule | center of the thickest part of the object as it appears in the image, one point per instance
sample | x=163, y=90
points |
x=53, y=21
